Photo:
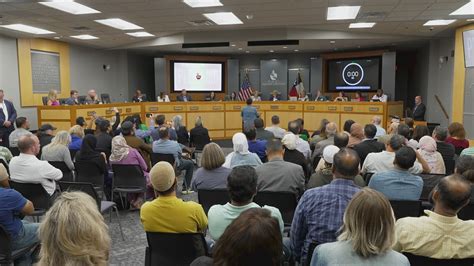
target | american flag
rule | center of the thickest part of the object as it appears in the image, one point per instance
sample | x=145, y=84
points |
x=246, y=89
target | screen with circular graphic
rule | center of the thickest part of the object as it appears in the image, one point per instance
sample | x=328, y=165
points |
x=354, y=74
x=197, y=76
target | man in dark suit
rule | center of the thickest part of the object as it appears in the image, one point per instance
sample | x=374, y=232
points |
x=7, y=118
x=369, y=144
x=419, y=109
x=183, y=97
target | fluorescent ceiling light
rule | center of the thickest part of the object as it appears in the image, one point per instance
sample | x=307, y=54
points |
x=202, y=3
x=118, y=24
x=85, y=37
x=342, y=12
x=223, y=18
x=361, y=25
x=439, y=22
x=471, y=19
x=70, y=6
x=26, y=28
x=467, y=9
x=140, y=34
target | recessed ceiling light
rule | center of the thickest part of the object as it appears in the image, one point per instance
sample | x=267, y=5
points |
x=361, y=25
x=85, y=37
x=332, y=42
x=439, y=22
x=296, y=50
x=233, y=45
x=57, y=37
x=140, y=34
x=249, y=17
x=271, y=51
x=118, y=24
x=240, y=49
x=247, y=52
x=202, y=3
x=284, y=47
x=467, y=9
x=26, y=28
x=70, y=6
x=471, y=19
x=223, y=18
x=342, y=12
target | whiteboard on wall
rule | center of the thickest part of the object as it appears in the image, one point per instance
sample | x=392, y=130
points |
x=468, y=38
x=45, y=71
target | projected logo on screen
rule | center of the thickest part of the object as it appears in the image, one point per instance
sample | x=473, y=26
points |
x=198, y=77
x=353, y=74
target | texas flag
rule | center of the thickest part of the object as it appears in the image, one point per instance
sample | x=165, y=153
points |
x=297, y=87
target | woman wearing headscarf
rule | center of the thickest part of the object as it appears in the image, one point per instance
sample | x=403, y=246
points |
x=241, y=155
x=356, y=135
x=88, y=153
x=124, y=154
x=427, y=150
x=292, y=155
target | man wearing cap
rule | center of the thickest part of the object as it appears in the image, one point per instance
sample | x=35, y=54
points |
x=27, y=168
x=167, y=213
x=128, y=132
x=45, y=134
x=323, y=175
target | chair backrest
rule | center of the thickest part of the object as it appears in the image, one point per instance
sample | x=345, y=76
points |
x=286, y=202
x=367, y=177
x=450, y=165
x=105, y=97
x=6, y=246
x=406, y=208
x=5, y=164
x=44, y=99
x=89, y=172
x=158, y=157
x=87, y=188
x=81, y=99
x=425, y=261
x=429, y=182
x=175, y=249
x=467, y=213
x=34, y=193
x=209, y=197
x=128, y=176
x=67, y=173
x=15, y=151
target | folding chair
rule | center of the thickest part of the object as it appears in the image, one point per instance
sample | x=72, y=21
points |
x=36, y=194
x=7, y=255
x=207, y=198
x=406, y=208
x=284, y=201
x=158, y=157
x=128, y=179
x=68, y=174
x=425, y=261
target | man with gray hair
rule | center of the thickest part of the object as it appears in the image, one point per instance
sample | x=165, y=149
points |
x=446, y=149
x=376, y=120
x=275, y=128
x=331, y=130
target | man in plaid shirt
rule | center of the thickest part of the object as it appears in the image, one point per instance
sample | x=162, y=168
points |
x=319, y=214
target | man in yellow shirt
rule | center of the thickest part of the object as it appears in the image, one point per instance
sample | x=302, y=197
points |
x=440, y=234
x=167, y=213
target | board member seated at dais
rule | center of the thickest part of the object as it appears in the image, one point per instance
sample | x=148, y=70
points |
x=183, y=97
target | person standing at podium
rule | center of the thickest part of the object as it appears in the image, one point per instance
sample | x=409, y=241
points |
x=419, y=109
x=249, y=114
x=183, y=97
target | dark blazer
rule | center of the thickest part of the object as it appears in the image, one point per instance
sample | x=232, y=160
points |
x=367, y=146
x=264, y=134
x=419, y=112
x=11, y=117
x=180, y=98
x=199, y=137
x=272, y=98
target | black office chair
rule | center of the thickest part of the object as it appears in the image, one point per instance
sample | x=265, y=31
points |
x=89, y=172
x=7, y=255
x=44, y=99
x=105, y=97
x=209, y=197
x=311, y=249
x=406, y=208
x=81, y=99
x=14, y=150
x=62, y=101
x=103, y=205
x=367, y=177
x=450, y=165
x=128, y=179
x=169, y=249
x=425, y=261
x=467, y=213
x=36, y=194
x=158, y=157
x=429, y=182
x=68, y=174
x=5, y=164
x=286, y=202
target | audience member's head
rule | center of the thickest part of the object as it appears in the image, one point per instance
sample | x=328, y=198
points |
x=289, y=141
x=22, y=122
x=258, y=122
x=357, y=131
x=393, y=128
x=347, y=125
x=456, y=130
x=177, y=121
x=73, y=232
x=77, y=130
x=164, y=133
x=322, y=127
x=440, y=133
x=410, y=122
x=212, y=156
x=341, y=140
x=102, y=125
x=61, y=138
x=451, y=194
x=88, y=146
x=4, y=177
x=160, y=119
x=46, y=129
x=376, y=120
x=395, y=143
x=198, y=122
x=427, y=144
x=369, y=131
x=328, y=154
x=120, y=149
x=405, y=158
x=81, y=121
x=240, y=144
x=420, y=131
x=369, y=224
x=249, y=101
x=331, y=129
x=404, y=130
x=346, y=164
x=29, y=144
x=275, y=120
x=465, y=167
x=242, y=185
x=254, y=238
x=127, y=128
x=163, y=178
x=250, y=133
x=294, y=127
x=274, y=149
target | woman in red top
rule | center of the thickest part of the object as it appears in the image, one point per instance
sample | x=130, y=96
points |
x=358, y=97
x=457, y=137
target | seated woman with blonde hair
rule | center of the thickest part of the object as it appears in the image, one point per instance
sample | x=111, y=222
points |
x=57, y=150
x=52, y=98
x=367, y=235
x=73, y=232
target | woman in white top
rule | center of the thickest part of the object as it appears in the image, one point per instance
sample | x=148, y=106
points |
x=163, y=98
x=302, y=96
x=241, y=155
x=427, y=149
x=255, y=97
x=380, y=96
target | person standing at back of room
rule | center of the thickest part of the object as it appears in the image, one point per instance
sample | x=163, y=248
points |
x=7, y=118
x=249, y=114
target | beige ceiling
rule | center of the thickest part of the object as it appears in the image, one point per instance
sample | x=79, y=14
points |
x=398, y=22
